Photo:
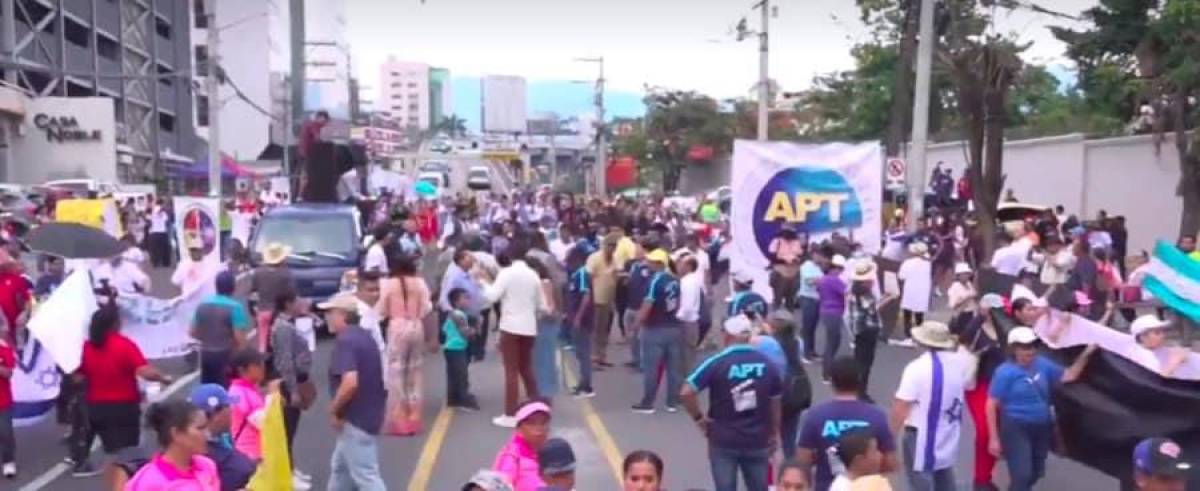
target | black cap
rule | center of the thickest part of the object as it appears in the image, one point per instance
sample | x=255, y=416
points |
x=556, y=457
x=1160, y=457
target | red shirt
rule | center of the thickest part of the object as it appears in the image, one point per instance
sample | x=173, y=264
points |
x=8, y=359
x=111, y=370
x=14, y=294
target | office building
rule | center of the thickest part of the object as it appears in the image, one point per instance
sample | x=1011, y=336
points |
x=441, y=102
x=404, y=93
x=132, y=55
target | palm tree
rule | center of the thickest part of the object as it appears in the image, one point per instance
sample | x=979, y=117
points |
x=453, y=125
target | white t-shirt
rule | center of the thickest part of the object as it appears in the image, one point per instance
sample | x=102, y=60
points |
x=1022, y=291
x=917, y=275
x=369, y=320
x=840, y=483
x=376, y=259
x=158, y=221
x=917, y=386
x=959, y=291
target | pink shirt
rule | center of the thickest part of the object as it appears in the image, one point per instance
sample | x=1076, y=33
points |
x=160, y=475
x=249, y=401
x=518, y=462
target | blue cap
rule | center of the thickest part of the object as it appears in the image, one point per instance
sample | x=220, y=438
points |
x=1160, y=457
x=211, y=397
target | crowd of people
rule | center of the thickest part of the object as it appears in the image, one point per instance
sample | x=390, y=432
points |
x=596, y=277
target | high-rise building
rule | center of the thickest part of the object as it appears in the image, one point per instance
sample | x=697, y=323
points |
x=255, y=55
x=404, y=93
x=441, y=99
x=504, y=104
x=133, y=52
x=327, y=58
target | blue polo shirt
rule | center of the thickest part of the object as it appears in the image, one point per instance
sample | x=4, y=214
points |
x=1024, y=394
x=663, y=295
x=636, y=283
x=749, y=303
x=741, y=384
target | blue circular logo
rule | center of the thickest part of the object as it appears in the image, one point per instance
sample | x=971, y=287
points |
x=813, y=200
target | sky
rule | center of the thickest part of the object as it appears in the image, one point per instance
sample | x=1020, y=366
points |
x=679, y=44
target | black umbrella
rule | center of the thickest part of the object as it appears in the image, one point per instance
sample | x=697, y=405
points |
x=74, y=241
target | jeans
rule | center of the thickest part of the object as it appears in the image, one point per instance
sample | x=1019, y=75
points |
x=864, y=354
x=832, y=324
x=661, y=344
x=725, y=463
x=691, y=337
x=581, y=337
x=635, y=340
x=354, y=464
x=808, y=325
x=8, y=439
x=458, y=386
x=1026, y=446
x=545, y=364
x=939, y=480
x=789, y=432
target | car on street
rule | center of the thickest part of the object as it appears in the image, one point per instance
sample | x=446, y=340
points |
x=441, y=146
x=479, y=177
x=439, y=180
x=325, y=242
x=439, y=166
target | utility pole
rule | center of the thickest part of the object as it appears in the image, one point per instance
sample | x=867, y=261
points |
x=212, y=87
x=601, y=139
x=287, y=129
x=8, y=37
x=920, y=126
x=764, y=81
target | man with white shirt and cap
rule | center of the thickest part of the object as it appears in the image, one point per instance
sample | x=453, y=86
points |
x=122, y=273
x=929, y=408
x=916, y=285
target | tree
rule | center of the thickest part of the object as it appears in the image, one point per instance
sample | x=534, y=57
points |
x=678, y=120
x=453, y=125
x=1147, y=53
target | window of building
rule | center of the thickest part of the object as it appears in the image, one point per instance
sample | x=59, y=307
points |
x=412, y=85
x=162, y=27
x=202, y=59
x=108, y=48
x=166, y=122
x=412, y=107
x=202, y=111
x=164, y=75
x=76, y=33
x=37, y=12
x=201, y=18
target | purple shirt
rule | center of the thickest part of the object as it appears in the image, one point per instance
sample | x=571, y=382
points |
x=831, y=292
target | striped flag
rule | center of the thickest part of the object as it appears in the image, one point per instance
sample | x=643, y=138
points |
x=1174, y=278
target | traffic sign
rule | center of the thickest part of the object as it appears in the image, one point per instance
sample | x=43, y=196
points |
x=895, y=169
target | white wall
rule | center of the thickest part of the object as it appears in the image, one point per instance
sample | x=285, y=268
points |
x=1037, y=169
x=36, y=159
x=504, y=104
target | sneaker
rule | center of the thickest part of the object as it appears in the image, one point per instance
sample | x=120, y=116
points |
x=69, y=461
x=300, y=484
x=505, y=421
x=583, y=393
x=643, y=409
x=825, y=380
x=9, y=470
x=672, y=409
x=84, y=469
x=303, y=476
x=903, y=343
x=568, y=348
x=470, y=406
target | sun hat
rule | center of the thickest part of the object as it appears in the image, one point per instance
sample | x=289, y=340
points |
x=1022, y=335
x=658, y=256
x=556, y=457
x=275, y=253
x=864, y=271
x=1146, y=323
x=962, y=268
x=838, y=261
x=345, y=301
x=1160, y=457
x=738, y=325
x=530, y=409
x=934, y=334
x=918, y=249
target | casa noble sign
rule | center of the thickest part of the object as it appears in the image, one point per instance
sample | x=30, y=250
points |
x=64, y=129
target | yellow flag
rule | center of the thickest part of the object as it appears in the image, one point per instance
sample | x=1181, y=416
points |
x=275, y=471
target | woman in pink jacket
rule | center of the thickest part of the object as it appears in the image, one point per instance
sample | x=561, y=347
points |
x=517, y=459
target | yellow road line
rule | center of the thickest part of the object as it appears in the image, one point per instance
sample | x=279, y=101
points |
x=429, y=452
x=604, y=439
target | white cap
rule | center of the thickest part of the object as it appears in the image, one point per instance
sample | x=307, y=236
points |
x=743, y=277
x=839, y=261
x=961, y=268
x=738, y=325
x=1146, y=323
x=1022, y=335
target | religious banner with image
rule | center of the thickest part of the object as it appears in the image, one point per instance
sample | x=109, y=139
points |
x=818, y=190
x=197, y=222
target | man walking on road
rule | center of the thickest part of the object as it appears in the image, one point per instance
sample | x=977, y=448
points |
x=744, y=411
x=357, y=401
x=602, y=267
x=662, y=335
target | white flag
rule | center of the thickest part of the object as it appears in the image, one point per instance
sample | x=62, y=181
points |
x=60, y=323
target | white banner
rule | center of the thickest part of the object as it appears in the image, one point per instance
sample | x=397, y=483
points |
x=160, y=326
x=35, y=384
x=818, y=189
x=197, y=223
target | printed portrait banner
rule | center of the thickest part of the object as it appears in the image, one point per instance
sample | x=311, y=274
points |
x=817, y=189
x=197, y=223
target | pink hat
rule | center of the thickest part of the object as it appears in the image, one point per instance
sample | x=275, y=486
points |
x=531, y=408
x=1082, y=299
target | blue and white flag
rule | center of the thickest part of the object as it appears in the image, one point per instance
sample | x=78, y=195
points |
x=35, y=384
x=1174, y=278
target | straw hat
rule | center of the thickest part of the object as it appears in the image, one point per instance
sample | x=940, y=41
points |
x=918, y=248
x=275, y=253
x=864, y=271
x=934, y=334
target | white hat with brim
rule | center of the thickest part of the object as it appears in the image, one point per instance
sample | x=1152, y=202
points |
x=918, y=249
x=962, y=268
x=1146, y=323
x=1022, y=335
x=838, y=261
x=345, y=301
x=935, y=335
x=742, y=277
x=275, y=253
x=864, y=271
